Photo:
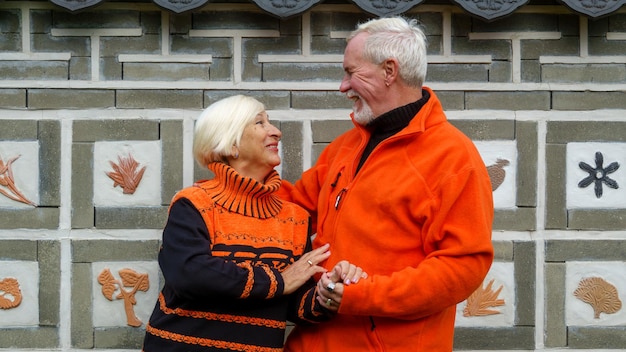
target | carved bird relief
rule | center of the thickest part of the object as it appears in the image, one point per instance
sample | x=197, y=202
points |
x=497, y=173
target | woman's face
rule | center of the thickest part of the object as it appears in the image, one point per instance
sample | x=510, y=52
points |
x=258, y=150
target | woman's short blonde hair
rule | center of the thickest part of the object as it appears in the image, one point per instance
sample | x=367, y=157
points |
x=220, y=127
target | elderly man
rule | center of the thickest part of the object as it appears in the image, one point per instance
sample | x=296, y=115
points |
x=404, y=195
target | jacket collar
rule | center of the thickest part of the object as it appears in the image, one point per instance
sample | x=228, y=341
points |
x=430, y=114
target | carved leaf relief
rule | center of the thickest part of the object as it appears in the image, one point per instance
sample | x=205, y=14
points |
x=601, y=295
x=126, y=174
x=10, y=293
x=7, y=182
x=129, y=279
x=482, y=299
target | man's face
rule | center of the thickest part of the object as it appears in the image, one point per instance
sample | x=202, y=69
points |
x=363, y=82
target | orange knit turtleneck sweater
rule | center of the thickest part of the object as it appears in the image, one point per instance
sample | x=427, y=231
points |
x=224, y=246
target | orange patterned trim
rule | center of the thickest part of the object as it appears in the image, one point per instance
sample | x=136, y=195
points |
x=273, y=282
x=192, y=340
x=229, y=318
x=303, y=301
x=250, y=282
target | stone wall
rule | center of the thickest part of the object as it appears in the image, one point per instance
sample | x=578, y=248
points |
x=541, y=92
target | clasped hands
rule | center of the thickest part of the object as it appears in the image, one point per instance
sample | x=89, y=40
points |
x=331, y=285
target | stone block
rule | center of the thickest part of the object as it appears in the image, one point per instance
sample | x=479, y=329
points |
x=13, y=98
x=573, y=250
x=272, y=99
x=130, y=218
x=583, y=73
x=533, y=49
x=458, y=73
x=291, y=143
x=70, y=98
x=498, y=49
x=327, y=131
x=319, y=100
x=521, y=22
x=533, y=100
x=154, y=99
x=145, y=44
x=451, y=100
x=309, y=72
x=89, y=251
x=600, y=46
x=172, y=151
x=35, y=70
x=45, y=42
x=582, y=101
x=556, y=329
x=80, y=68
x=145, y=71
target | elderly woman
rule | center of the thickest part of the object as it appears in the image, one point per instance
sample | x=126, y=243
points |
x=235, y=257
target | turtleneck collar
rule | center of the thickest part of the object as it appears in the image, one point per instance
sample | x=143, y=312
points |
x=243, y=195
x=398, y=118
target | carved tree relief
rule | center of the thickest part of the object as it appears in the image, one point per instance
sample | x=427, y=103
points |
x=126, y=174
x=481, y=300
x=10, y=293
x=601, y=295
x=7, y=182
x=129, y=278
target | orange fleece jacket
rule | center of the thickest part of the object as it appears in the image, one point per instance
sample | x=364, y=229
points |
x=417, y=218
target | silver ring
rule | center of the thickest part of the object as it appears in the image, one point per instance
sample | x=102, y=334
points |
x=331, y=287
x=329, y=302
x=310, y=262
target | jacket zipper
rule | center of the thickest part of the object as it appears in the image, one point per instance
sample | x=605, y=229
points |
x=339, y=195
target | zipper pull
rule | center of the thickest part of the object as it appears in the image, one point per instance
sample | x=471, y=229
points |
x=339, y=195
x=334, y=184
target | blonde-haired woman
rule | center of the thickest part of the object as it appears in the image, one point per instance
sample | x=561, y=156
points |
x=235, y=257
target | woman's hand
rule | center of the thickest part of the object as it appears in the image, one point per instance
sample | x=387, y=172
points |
x=299, y=272
x=331, y=285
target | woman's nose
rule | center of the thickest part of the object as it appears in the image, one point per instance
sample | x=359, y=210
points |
x=274, y=131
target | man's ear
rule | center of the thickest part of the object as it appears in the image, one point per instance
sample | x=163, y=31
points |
x=391, y=70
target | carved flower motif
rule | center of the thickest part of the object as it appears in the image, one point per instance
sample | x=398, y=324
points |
x=598, y=175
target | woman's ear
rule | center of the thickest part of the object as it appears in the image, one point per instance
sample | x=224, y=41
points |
x=234, y=152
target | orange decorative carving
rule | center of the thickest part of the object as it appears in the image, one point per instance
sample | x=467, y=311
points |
x=7, y=181
x=483, y=298
x=497, y=173
x=601, y=295
x=10, y=293
x=130, y=278
x=125, y=174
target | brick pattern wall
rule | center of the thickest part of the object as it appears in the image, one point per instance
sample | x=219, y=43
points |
x=542, y=89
